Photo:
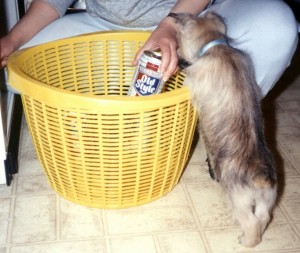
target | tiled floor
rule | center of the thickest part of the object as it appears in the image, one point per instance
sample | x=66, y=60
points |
x=193, y=218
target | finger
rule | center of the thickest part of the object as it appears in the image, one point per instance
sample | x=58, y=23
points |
x=165, y=58
x=3, y=63
x=172, y=68
x=169, y=62
x=137, y=56
x=147, y=46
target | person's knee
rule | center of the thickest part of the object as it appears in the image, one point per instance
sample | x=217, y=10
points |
x=270, y=20
x=277, y=23
x=276, y=42
x=266, y=30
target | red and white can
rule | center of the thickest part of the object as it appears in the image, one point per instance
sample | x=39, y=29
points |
x=147, y=79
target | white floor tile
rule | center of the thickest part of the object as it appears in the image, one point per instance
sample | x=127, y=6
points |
x=137, y=244
x=149, y=221
x=184, y=242
x=90, y=246
x=34, y=219
x=5, y=208
x=33, y=184
x=79, y=221
x=211, y=204
x=3, y=232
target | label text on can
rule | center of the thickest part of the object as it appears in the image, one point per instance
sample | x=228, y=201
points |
x=146, y=84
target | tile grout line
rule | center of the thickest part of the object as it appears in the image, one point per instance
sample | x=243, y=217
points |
x=200, y=229
x=105, y=231
x=13, y=197
x=291, y=160
x=289, y=221
x=58, y=219
x=290, y=113
x=158, y=248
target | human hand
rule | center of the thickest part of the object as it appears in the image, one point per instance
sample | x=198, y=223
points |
x=164, y=38
x=6, y=49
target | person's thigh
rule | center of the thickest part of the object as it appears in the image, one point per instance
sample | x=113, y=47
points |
x=72, y=25
x=267, y=30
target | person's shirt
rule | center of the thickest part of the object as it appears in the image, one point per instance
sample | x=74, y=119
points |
x=130, y=13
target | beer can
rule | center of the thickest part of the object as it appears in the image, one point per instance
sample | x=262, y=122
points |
x=147, y=79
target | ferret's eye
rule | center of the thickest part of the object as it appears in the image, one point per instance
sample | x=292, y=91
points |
x=182, y=63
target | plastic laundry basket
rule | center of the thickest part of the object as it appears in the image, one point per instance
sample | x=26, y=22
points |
x=99, y=147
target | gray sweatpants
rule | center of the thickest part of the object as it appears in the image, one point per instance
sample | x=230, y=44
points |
x=266, y=29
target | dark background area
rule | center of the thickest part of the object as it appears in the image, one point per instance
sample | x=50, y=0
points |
x=295, y=5
x=2, y=18
x=2, y=32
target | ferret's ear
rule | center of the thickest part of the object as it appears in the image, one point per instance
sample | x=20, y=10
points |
x=217, y=20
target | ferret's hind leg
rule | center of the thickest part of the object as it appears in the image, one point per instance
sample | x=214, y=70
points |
x=243, y=212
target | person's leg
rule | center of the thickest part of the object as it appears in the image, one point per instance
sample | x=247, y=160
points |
x=72, y=25
x=266, y=29
x=67, y=26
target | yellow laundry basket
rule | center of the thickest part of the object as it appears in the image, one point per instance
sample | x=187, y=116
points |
x=97, y=146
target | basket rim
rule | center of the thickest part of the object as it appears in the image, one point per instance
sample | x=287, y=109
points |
x=54, y=96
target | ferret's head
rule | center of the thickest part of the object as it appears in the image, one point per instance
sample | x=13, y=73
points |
x=195, y=32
